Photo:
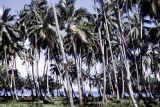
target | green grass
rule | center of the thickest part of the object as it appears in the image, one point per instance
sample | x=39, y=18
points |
x=19, y=104
x=61, y=102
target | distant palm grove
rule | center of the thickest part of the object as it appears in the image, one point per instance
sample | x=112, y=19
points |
x=121, y=36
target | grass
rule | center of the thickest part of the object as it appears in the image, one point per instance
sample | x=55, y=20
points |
x=21, y=104
x=61, y=102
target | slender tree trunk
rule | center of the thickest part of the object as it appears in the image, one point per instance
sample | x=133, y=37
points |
x=135, y=60
x=111, y=51
x=111, y=85
x=122, y=83
x=37, y=68
x=14, y=80
x=63, y=55
x=33, y=80
x=6, y=68
x=104, y=99
x=11, y=83
x=112, y=57
x=130, y=84
x=103, y=67
x=126, y=62
x=149, y=87
x=47, y=76
x=69, y=90
x=104, y=72
x=78, y=73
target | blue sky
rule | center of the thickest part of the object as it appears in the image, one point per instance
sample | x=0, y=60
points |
x=17, y=5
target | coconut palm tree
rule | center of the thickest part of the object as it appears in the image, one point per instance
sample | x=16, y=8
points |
x=41, y=31
x=63, y=54
x=75, y=23
x=10, y=42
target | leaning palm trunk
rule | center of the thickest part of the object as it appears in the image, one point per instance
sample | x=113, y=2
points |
x=37, y=68
x=104, y=99
x=6, y=68
x=127, y=66
x=126, y=62
x=47, y=76
x=63, y=55
x=122, y=84
x=113, y=61
x=130, y=83
x=14, y=81
x=111, y=84
x=78, y=72
x=135, y=61
x=11, y=79
x=33, y=83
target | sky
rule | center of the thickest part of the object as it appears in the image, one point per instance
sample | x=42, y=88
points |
x=17, y=5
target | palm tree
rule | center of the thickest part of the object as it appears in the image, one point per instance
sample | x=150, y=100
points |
x=63, y=54
x=41, y=31
x=10, y=42
x=100, y=21
x=77, y=26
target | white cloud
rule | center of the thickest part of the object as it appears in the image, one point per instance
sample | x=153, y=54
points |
x=1, y=11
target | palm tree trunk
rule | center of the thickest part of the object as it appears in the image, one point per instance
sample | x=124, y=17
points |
x=126, y=62
x=135, y=61
x=13, y=85
x=122, y=84
x=37, y=68
x=14, y=80
x=11, y=80
x=78, y=72
x=103, y=67
x=111, y=85
x=80, y=83
x=130, y=84
x=69, y=90
x=104, y=99
x=47, y=76
x=113, y=61
x=63, y=55
x=104, y=76
x=33, y=80
x=6, y=68
x=111, y=51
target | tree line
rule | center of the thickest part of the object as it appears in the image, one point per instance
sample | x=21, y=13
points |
x=120, y=35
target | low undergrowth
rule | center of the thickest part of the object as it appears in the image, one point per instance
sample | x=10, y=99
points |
x=62, y=102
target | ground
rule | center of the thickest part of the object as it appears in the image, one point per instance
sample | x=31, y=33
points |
x=60, y=102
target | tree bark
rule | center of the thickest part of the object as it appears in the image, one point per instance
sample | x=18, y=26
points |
x=122, y=84
x=14, y=78
x=104, y=99
x=37, y=67
x=47, y=76
x=113, y=61
x=78, y=72
x=63, y=55
x=126, y=62
x=130, y=84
